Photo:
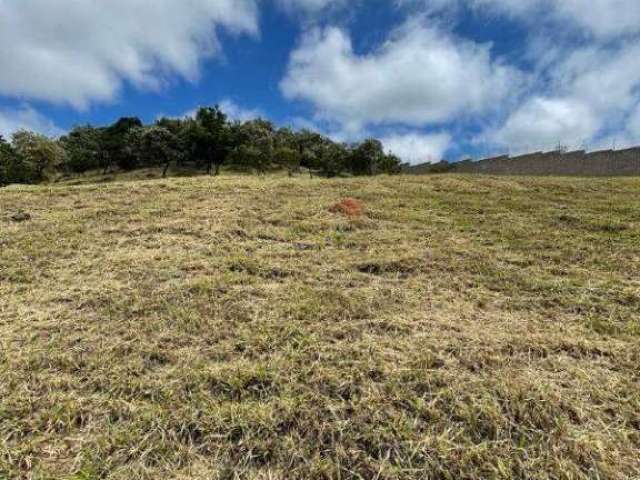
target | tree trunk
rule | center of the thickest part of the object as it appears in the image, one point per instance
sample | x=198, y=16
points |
x=209, y=160
x=166, y=168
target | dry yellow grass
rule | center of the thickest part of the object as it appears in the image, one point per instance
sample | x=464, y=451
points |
x=234, y=327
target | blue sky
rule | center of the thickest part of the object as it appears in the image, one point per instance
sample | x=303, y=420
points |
x=431, y=78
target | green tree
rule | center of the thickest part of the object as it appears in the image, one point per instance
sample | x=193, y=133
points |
x=6, y=152
x=83, y=148
x=389, y=164
x=12, y=169
x=366, y=157
x=157, y=146
x=174, y=125
x=333, y=159
x=115, y=147
x=41, y=155
x=288, y=158
x=310, y=146
x=208, y=140
x=247, y=157
x=255, y=144
x=212, y=137
x=286, y=138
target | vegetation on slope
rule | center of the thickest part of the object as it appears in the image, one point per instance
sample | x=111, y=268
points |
x=237, y=328
x=205, y=142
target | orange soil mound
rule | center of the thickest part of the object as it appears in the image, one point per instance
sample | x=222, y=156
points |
x=348, y=206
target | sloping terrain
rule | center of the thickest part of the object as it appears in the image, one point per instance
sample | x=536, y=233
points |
x=237, y=327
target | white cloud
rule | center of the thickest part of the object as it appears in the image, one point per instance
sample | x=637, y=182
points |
x=606, y=78
x=603, y=18
x=599, y=18
x=236, y=112
x=634, y=123
x=544, y=123
x=417, y=148
x=77, y=52
x=577, y=96
x=419, y=75
x=584, y=78
x=26, y=118
x=590, y=93
x=628, y=136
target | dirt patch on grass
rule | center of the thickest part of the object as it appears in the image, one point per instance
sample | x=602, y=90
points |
x=349, y=207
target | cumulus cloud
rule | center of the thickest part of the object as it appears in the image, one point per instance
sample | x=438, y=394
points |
x=600, y=18
x=419, y=75
x=607, y=77
x=417, y=148
x=543, y=123
x=76, y=52
x=584, y=78
x=591, y=91
x=603, y=18
x=239, y=113
x=26, y=118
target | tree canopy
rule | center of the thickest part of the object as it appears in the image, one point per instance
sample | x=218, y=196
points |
x=207, y=141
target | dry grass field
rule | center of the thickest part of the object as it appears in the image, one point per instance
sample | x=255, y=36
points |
x=236, y=327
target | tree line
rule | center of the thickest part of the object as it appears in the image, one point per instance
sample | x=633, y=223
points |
x=207, y=142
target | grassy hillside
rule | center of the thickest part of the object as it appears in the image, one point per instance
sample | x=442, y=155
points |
x=235, y=327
